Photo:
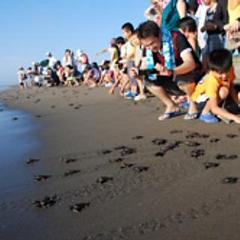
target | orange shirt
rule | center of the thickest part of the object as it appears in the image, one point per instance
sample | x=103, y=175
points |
x=209, y=86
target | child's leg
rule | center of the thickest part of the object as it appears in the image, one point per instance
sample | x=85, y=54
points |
x=125, y=84
x=189, y=88
x=140, y=86
x=223, y=93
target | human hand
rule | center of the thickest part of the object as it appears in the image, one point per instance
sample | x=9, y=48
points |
x=234, y=27
x=162, y=70
x=203, y=29
x=133, y=72
x=209, y=26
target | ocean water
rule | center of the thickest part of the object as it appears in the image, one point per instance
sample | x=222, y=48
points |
x=17, y=143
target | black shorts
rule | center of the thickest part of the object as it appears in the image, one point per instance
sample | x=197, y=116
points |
x=167, y=83
x=192, y=77
x=171, y=85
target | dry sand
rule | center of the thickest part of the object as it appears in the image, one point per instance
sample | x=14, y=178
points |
x=136, y=178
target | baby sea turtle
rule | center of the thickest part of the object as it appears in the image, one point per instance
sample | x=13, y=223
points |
x=126, y=165
x=160, y=154
x=78, y=207
x=106, y=151
x=232, y=135
x=159, y=141
x=176, y=131
x=208, y=165
x=71, y=172
x=197, y=153
x=46, y=202
x=32, y=160
x=226, y=157
x=230, y=180
x=140, y=169
x=127, y=151
x=214, y=140
x=192, y=144
x=117, y=160
x=137, y=137
x=70, y=160
x=104, y=179
x=39, y=178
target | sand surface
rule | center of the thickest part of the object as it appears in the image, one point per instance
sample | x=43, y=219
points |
x=132, y=176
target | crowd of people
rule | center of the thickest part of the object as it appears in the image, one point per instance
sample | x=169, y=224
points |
x=182, y=54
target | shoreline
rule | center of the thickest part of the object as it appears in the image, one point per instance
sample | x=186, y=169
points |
x=146, y=190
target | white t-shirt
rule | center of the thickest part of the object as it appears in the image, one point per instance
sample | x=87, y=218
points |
x=200, y=17
x=21, y=74
x=52, y=61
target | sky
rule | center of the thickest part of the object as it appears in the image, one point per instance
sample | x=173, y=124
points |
x=30, y=28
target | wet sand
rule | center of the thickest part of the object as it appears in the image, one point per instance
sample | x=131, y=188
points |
x=108, y=169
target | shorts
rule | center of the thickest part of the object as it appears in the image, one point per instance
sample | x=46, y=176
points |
x=130, y=65
x=192, y=77
x=71, y=79
x=167, y=83
x=171, y=85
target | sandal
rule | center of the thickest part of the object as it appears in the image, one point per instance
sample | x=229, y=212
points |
x=168, y=115
x=208, y=118
x=191, y=116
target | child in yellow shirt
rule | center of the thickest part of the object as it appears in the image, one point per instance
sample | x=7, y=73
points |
x=216, y=86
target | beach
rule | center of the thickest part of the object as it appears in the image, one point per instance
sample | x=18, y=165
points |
x=106, y=168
